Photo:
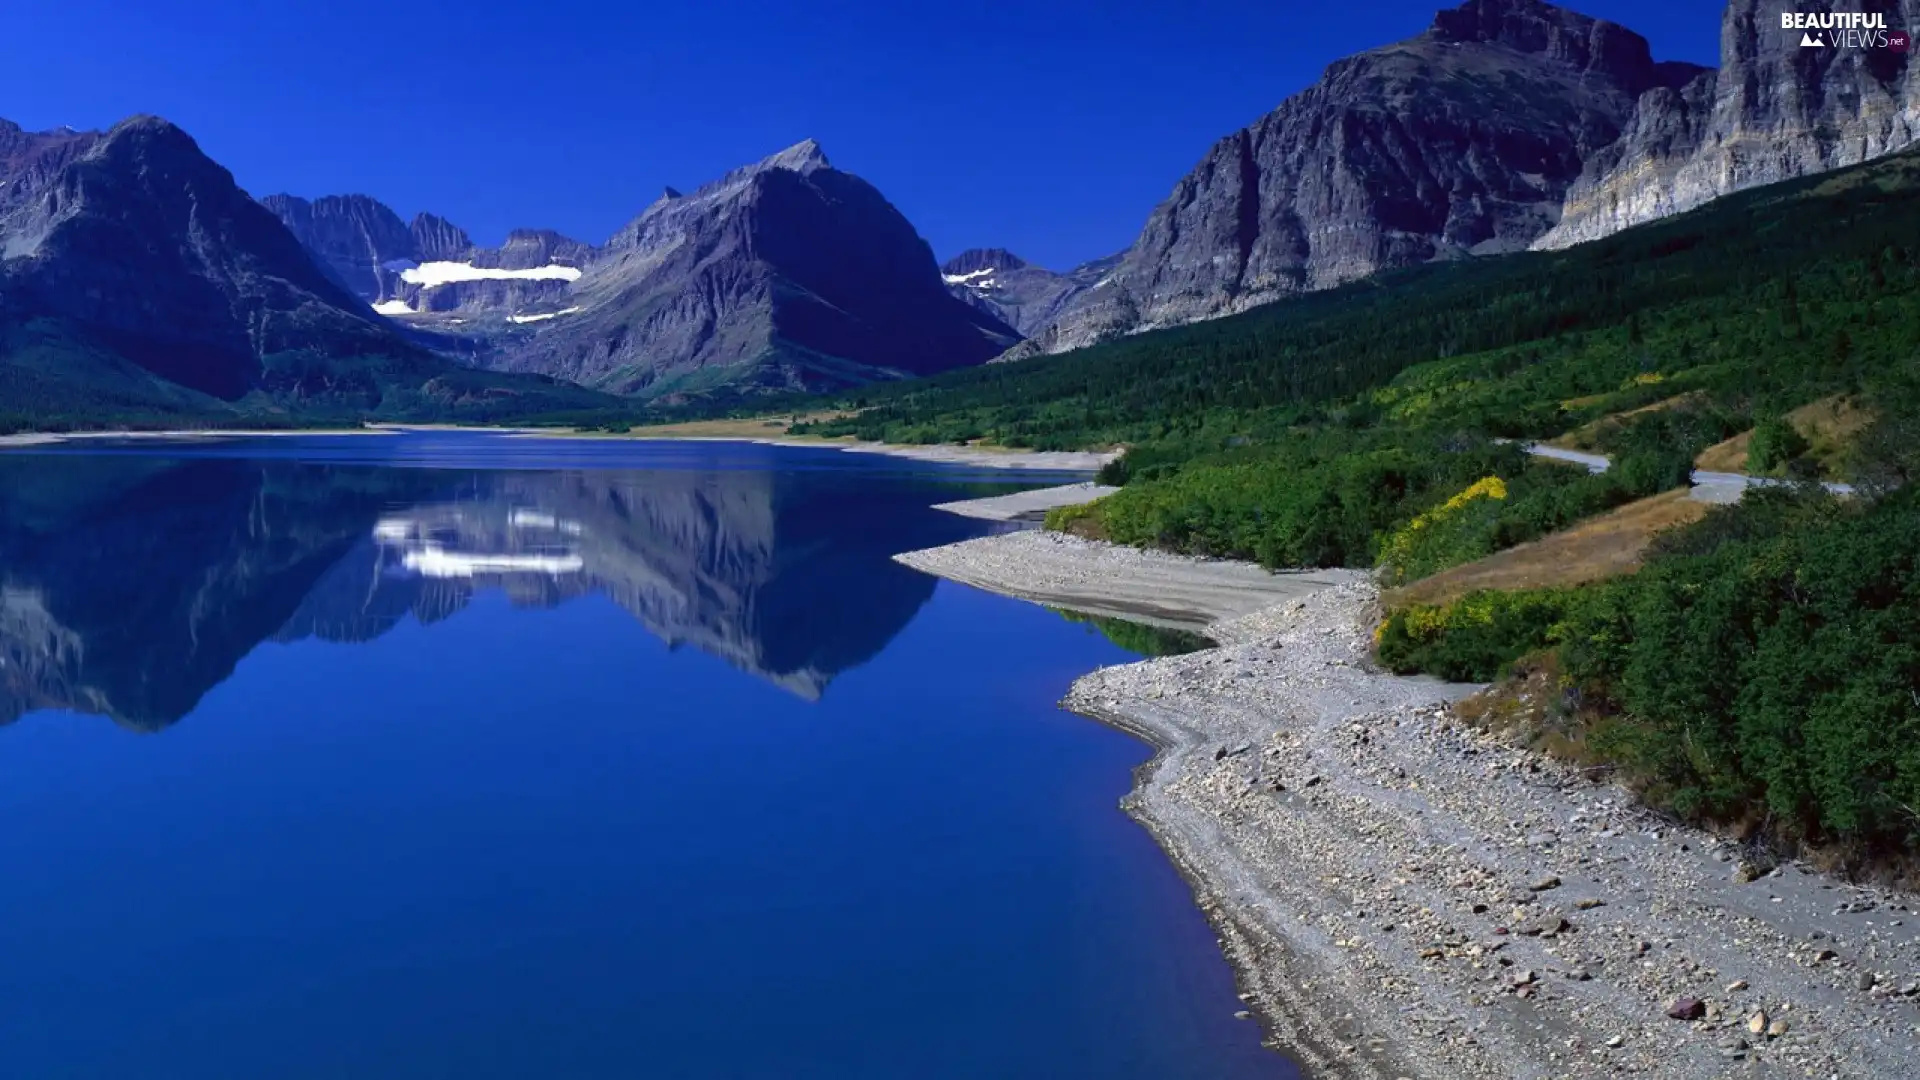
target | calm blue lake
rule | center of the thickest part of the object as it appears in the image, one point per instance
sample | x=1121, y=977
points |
x=469, y=757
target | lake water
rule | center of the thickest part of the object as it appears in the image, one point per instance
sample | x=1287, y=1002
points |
x=464, y=756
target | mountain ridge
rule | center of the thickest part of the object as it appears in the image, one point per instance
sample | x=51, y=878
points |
x=784, y=273
x=1460, y=141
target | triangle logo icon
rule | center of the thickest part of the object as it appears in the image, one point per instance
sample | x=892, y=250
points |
x=1808, y=41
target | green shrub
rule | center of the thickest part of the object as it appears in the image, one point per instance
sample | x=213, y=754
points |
x=1475, y=638
x=1775, y=442
x=1764, y=664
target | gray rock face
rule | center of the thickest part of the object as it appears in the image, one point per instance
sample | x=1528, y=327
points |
x=528, y=248
x=1023, y=296
x=355, y=238
x=1776, y=110
x=785, y=273
x=1461, y=141
x=435, y=239
x=139, y=244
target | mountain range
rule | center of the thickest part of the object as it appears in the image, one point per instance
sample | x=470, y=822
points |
x=784, y=274
x=133, y=271
x=138, y=281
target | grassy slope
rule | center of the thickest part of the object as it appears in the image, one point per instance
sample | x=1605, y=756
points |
x=1595, y=549
x=1829, y=426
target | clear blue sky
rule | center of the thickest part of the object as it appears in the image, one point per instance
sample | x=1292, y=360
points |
x=1045, y=126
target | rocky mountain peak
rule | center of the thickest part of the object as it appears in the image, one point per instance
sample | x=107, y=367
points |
x=802, y=157
x=1567, y=38
x=1460, y=141
x=1775, y=110
x=435, y=239
x=786, y=273
x=150, y=246
x=352, y=237
x=152, y=142
x=29, y=158
x=528, y=248
x=975, y=260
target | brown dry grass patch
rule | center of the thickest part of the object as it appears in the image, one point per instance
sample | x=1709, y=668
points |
x=1587, y=436
x=1601, y=547
x=1829, y=424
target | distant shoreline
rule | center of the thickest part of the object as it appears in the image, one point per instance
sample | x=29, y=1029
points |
x=55, y=438
x=1065, y=461
x=756, y=431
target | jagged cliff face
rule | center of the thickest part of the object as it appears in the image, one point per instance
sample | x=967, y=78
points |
x=787, y=273
x=429, y=265
x=1776, y=110
x=354, y=238
x=1461, y=141
x=139, y=243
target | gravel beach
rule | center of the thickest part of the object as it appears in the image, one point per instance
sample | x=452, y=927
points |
x=1405, y=897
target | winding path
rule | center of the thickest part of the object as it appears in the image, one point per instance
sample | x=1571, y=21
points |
x=1714, y=487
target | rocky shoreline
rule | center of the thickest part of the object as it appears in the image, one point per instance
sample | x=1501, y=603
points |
x=1403, y=896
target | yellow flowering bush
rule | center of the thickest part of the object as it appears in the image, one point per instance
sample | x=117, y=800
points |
x=1458, y=530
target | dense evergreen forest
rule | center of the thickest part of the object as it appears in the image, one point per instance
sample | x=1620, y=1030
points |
x=1763, y=668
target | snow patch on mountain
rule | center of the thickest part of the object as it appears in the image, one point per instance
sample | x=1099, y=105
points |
x=541, y=317
x=429, y=275
x=968, y=279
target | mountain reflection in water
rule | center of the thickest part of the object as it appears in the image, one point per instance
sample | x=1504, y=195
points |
x=132, y=584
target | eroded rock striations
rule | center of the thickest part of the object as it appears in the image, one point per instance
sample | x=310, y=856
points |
x=1461, y=141
x=1777, y=109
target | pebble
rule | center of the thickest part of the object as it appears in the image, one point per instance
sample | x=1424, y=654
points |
x=1686, y=1008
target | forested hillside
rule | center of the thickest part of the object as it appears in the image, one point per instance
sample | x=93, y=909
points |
x=1307, y=431
x=1763, y=669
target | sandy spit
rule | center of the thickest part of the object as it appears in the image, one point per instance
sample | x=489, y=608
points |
x=1105, y=579
x=1027, y=505
x=1405, y=897
x=982, y=457
x=991, y=457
